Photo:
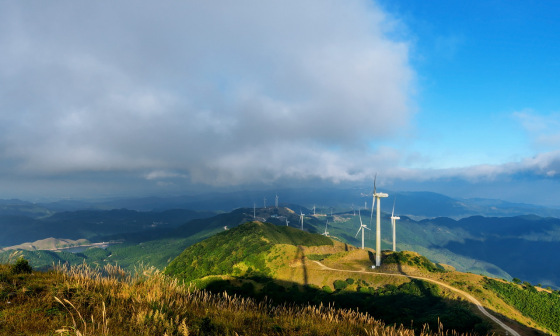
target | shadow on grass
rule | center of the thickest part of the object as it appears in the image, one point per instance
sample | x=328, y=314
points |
x=411, y=304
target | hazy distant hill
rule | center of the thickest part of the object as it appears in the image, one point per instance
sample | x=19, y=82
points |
x=507, y=247
x=413, y=204
x=89, y=224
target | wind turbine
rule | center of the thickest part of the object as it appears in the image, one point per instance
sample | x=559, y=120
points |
x=301, y=219
x=362, y=227
x=377, y=197
x=276, y=202
x=394, y=224
x=287, y=221
x=254, y=210
x=326, y=233
x=313, y=209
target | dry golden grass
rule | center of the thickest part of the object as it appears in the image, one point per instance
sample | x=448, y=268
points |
x=86, y=301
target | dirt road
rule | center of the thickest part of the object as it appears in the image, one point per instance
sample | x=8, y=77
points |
x=469, y=297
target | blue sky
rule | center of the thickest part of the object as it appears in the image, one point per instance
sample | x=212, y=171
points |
x=478, y=64
x=148, y=98
x=487, y=92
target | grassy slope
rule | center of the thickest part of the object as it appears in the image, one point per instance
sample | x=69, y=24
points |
x=241, y=250
x=82, y=301
x=288, y=264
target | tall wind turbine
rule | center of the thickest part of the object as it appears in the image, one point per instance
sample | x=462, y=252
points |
x=301, y=219
x=362, y=227
x=377, y=197
x=287, y=221
x=394, y=224
x=326, y=233
x=276, y=202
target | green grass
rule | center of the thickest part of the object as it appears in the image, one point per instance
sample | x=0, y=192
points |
x=407, y=258
x=239, y=251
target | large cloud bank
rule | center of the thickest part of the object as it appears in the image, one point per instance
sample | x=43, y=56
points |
x=216, y=92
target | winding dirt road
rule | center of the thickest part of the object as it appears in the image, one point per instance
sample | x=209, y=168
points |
x=469, y=297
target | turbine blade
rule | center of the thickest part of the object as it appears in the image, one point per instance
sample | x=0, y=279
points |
x=394, y=201
x=372, y=208
x=358, y=232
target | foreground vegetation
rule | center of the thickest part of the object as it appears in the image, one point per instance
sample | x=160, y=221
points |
x=541, y=306
x=80, y=300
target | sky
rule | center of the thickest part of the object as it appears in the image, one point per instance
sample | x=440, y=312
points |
x=144, y=97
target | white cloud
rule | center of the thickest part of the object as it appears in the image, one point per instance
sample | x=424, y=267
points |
x=223, y=92
x=544, y=130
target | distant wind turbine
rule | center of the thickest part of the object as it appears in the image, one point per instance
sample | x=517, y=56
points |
x=394, y=224
x=326, y=233
x=276, y=202
x=301, y=217
x=254, y=210
x=377, y=197
x=264, y=202
x=362, y=227
x=287, y=221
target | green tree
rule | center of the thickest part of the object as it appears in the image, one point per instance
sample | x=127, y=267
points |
x=21, y=266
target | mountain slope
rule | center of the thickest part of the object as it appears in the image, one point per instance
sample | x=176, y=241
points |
x=241, y=250
x=259, y=259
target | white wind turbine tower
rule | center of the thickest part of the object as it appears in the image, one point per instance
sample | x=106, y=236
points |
x=326, y=233
x=301, y=219
x=276, y=202
x=287, y=222
x=377, y=197
x=394, y=224
x=362, y=227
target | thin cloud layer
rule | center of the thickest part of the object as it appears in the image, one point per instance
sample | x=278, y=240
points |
x=218, y=93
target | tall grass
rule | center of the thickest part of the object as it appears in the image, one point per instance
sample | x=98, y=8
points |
x=83, y=301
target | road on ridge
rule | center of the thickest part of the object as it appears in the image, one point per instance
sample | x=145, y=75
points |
x=463, y=293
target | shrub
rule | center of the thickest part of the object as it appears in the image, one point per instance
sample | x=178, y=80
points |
x=21, y=266
x=350, y=281
x=340, y=284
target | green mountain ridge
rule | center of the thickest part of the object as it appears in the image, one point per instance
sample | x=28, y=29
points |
x=247, y=244
x=262, y=260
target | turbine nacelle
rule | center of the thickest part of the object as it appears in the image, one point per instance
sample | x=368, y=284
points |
x=380, y=195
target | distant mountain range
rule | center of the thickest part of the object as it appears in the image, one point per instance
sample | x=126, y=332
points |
x=416, y=205
x=507, y=243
